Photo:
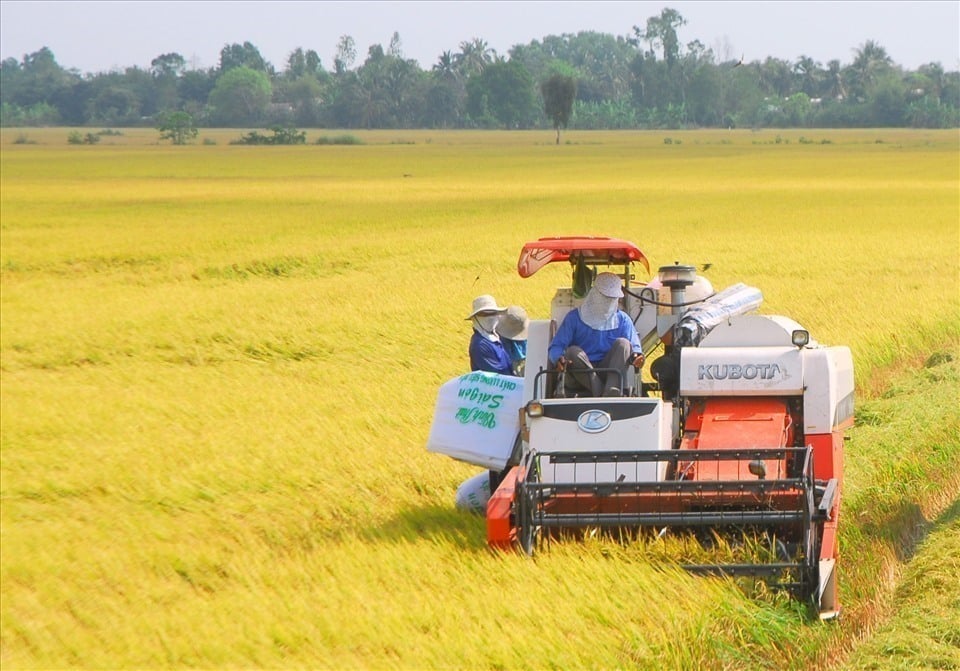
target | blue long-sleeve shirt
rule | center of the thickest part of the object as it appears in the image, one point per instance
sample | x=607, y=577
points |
x=595, y=343
x=489, y=355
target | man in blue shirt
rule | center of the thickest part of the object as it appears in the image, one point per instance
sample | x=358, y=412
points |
x=486, y=351
x=598, y=334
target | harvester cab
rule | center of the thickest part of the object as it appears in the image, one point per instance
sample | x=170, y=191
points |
x=737, y=429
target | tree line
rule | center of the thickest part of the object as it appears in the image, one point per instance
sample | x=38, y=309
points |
x=647, y=78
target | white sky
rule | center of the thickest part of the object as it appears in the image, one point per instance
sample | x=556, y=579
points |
x=101, y=36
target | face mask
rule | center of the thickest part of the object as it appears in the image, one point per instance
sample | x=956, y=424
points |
x=488, y=322
x=597, y=310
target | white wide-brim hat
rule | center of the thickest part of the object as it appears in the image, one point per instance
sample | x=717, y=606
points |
x=513, y=324
x=608, y=284
x=485, y=303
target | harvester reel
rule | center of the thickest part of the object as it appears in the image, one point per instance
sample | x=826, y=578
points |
x=528, y=528
x=528, y=531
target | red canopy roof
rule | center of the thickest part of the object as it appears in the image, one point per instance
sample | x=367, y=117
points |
x=535, y=255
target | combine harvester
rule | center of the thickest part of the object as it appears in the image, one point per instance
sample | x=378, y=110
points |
x=740, y=434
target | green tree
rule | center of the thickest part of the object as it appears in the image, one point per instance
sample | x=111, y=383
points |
x=296, y=64
x=559, y=92
x=396, y=46
x=503, y=93
x=244, y=55
x=928, y=112
x=950, y=94
x=475, y=55
x=37, y=79
x=615, y=114
x=445, y=94
x=301, y=63
x=38, y=114
x=168, y=65
x=124, y=98
x=887, y=102
x=240, y=97
x=808, y=75
x=346, y=54
x=446, y=66
x=305, y=95
x=661, y=31
x=166, y=69
x=869, y=64
x=797, y=110
x=835, y=88
x=776, y=77
x=935, y=80
x=303, y=87
x=647, y=79
x=742, y=98
x=178, y=127
x=113, y=103
x=193, y=90
x=444, y=103
x=702, y=85
x=600, y=62
x=385, y=92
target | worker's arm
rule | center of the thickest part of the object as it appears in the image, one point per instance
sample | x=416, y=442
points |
x=562, y=339
x=630, y=333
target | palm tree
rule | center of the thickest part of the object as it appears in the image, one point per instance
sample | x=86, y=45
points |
x=474, y=56
x=936, y=76
x=776, y=77
x=870, y=60
x=446, y=66
x=809, y=75
x=835, y=85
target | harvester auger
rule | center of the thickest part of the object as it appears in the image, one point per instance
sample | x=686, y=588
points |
x=740, y=431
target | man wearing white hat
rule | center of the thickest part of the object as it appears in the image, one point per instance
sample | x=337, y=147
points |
x=486, y=351
x=598, y=334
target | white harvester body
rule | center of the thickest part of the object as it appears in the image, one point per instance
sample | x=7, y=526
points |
x=741, y=427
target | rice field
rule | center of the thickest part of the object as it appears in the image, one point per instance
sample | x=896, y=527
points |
x=219, y=365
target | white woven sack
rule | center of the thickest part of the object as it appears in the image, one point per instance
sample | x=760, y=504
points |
x=476, y=419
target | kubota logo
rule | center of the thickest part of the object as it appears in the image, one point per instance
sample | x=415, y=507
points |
x=736, y=371
x=593, y=421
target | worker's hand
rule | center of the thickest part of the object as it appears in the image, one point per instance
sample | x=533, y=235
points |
x=561, y=364
x=638, y=360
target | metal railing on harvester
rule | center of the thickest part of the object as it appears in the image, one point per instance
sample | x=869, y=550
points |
x=693, y=496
